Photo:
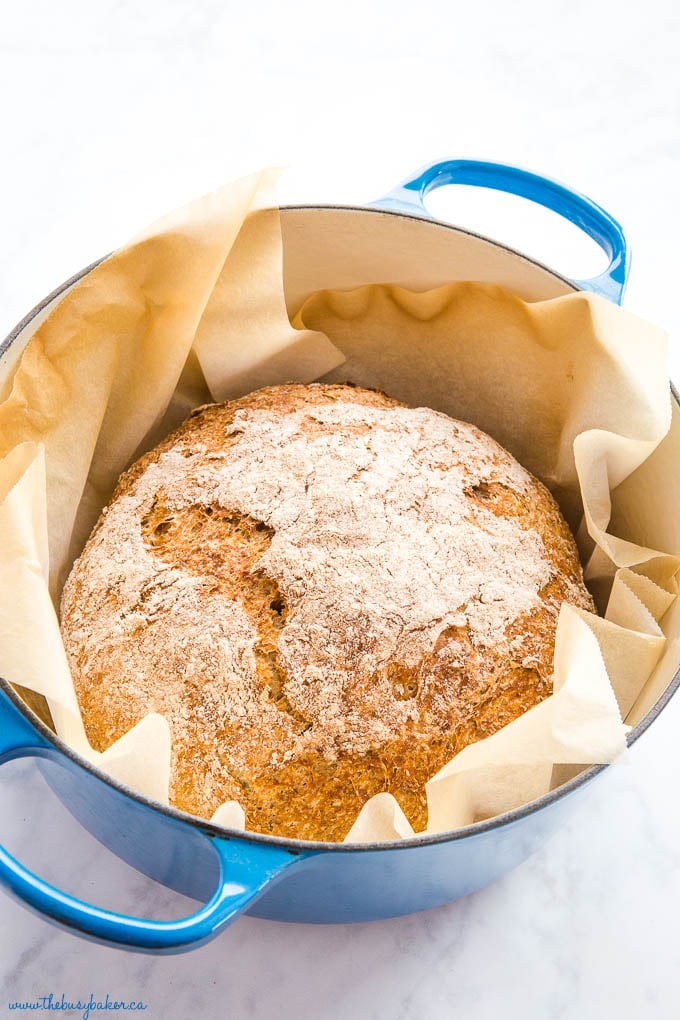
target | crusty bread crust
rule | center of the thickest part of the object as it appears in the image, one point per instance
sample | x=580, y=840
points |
x=327, y=594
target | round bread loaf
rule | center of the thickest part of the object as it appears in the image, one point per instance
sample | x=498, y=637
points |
x=327, y=594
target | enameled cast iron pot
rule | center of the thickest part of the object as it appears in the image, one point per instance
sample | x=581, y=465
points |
x=391, y=240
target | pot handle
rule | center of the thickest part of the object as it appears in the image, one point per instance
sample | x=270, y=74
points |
x=244, y=874
x=408, y=197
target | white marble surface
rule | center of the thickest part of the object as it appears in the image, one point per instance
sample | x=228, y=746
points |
x=113, y=112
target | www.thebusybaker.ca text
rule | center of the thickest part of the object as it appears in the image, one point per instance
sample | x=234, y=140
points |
x=50, y=1003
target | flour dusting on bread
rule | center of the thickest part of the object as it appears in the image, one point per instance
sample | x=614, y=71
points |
x=317, y=571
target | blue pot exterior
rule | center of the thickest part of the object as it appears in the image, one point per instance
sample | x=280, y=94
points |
x=232, y=872
x=335, y=885
x=235, y=872
x=338, y=884
x=226, y=873
x=374, y=884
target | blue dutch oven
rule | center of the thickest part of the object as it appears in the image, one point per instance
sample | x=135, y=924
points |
x=394, y=239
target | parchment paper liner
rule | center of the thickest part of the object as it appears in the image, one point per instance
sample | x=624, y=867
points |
x=193, y=309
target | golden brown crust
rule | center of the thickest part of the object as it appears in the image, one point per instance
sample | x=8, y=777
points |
x=277, y=747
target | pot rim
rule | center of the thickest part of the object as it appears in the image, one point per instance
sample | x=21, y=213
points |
x=300, y=846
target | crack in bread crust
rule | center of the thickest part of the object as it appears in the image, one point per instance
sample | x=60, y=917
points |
x=225, y=546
